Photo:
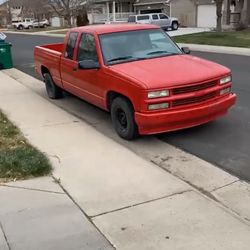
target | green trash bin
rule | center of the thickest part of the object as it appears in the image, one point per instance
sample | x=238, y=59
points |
x=5, y=55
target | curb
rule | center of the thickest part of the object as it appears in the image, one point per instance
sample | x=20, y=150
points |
x=217, y=49
x=35, y=33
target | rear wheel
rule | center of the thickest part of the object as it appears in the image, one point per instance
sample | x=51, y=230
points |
x=175, y=26
x=20, y=27
x=53, y=91
x=122, y=115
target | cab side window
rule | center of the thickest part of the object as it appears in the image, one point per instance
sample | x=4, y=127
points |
x=163, y=16
x=87, y=48
x=70, y=47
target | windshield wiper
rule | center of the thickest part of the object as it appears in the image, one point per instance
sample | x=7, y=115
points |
x=157, y=52
x=120, y=58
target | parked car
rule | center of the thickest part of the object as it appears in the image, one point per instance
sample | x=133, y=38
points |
x=139, y=75
x=41, y=24
x=26, y=23
x=159, y=19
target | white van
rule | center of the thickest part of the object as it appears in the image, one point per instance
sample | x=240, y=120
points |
x=160, y=19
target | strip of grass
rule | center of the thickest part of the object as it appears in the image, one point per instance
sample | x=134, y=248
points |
x=19, y=159
x=229, y=38
x=61, y=32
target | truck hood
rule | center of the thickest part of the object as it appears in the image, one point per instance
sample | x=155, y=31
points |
x=170, y=71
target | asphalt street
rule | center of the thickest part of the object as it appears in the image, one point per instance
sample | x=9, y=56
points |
x=224, y=142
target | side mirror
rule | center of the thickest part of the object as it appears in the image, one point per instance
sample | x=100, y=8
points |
x=88, y=64
x=186, y=50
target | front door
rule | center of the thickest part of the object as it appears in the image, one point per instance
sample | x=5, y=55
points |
x=87, y=81
x=164, y=20
x=69, y=64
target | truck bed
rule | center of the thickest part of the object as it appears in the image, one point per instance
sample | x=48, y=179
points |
x=49, y=56
x=58, y=47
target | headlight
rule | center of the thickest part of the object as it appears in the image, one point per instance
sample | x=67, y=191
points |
x=226, y=79
x=157, y=94
x=164, y=105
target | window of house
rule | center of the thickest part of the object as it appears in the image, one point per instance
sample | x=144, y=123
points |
x=70, y=47
x=131, y=19
x=87, y=48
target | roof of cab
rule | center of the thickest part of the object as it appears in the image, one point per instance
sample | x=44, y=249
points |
x=111, y=28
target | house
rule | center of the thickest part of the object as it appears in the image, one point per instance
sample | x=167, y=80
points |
x=202, y=13
x=102, y=11
x=151, y=6
x=3, y=15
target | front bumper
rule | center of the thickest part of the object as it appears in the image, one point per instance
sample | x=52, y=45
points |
x=153, y=123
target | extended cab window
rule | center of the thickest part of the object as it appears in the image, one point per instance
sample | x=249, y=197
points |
x=69, y=53
x=146, y=17
x=87, y=48
x=155, y=17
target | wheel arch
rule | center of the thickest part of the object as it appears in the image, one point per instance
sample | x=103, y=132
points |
x=111, y=95
x=44, y=70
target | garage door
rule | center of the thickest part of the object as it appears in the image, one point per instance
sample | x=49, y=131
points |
x=206, y=16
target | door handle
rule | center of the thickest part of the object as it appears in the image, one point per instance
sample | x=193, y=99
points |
x=75, y=68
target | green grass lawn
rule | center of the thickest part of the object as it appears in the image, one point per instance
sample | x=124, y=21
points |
x=229, y=38
x=18, y=159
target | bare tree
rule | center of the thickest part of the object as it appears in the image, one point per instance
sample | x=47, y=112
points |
x=66, y=8
x=219, y=4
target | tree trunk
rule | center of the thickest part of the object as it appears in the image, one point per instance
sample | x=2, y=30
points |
x=67, y=17
x=219, y=15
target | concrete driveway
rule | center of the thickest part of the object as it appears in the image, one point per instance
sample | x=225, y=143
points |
x=186, y=31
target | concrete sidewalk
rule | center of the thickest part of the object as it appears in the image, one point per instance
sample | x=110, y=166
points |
x=37, y=214
x=135, y=204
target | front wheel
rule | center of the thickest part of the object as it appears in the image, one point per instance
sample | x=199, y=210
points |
x=53, y=91
x=122, y=115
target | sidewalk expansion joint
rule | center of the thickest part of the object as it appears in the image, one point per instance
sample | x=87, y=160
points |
x=88, y=217
x=142, y=203
x=31, y=189
x=59, y=124
x=224, y=186
x=201, y=190
x=5, y=236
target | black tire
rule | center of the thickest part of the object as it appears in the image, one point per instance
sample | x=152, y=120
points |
x=175, y=26
x=45, y=26
x=122, y=116
x=53, y=91
x=30, y=27
x=20, y=27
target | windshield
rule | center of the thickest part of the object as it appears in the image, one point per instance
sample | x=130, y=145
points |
x=136, y=45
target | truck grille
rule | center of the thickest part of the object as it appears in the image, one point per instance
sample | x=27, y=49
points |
x=193, y=88
x=192, y=100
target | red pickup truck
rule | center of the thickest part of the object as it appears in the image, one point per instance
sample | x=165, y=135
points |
x=138, y=74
